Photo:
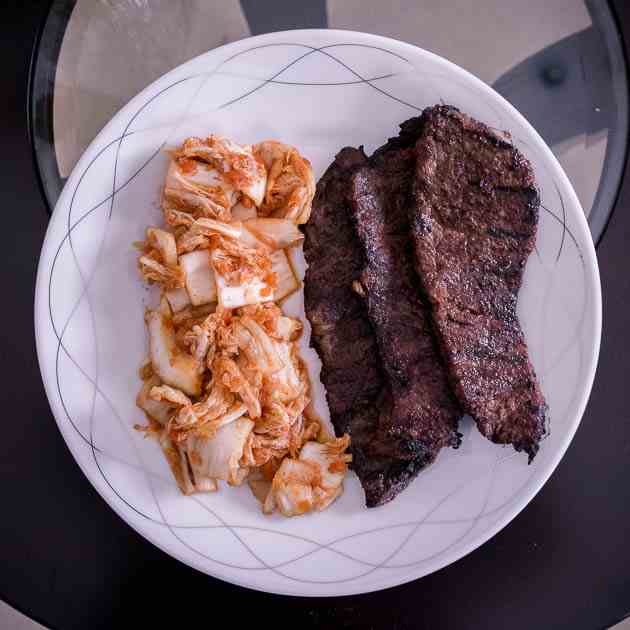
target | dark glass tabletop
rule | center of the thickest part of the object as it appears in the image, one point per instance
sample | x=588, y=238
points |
x=68, y=560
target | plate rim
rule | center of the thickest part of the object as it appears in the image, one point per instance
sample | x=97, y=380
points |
x=448, y=557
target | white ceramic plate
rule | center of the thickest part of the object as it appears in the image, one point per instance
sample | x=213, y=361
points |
x=318, y=90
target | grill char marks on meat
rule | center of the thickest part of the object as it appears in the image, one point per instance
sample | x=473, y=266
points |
x=341, y=331
x=358, y=395
x=421, y=415
x=474, y=222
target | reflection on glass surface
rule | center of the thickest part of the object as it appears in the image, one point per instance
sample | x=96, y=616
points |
x=558, y=61
x=112, y=49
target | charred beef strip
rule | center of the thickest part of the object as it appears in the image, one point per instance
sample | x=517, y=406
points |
x=341, y=331
x=473, y=223
x=422, y=416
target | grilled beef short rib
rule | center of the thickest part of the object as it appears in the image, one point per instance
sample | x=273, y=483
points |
x=416, y=257
x=474, y=219
x=422, y=416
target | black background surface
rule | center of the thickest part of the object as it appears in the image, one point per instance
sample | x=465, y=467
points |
x=68, y=561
